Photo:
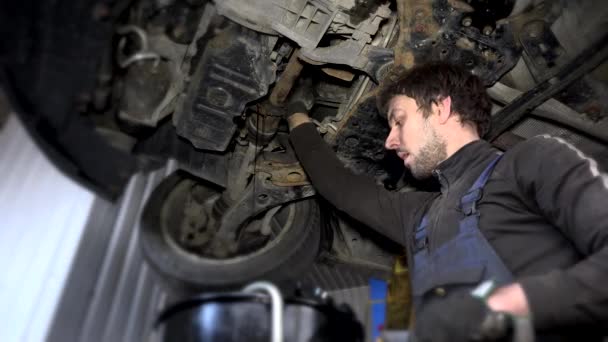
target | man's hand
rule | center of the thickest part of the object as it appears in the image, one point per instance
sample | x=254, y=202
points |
x=460, y=317
x=299, y=104
x=511, y=299
x=455, y=319
x=296, y=119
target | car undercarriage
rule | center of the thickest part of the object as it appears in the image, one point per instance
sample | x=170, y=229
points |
x=112, y=88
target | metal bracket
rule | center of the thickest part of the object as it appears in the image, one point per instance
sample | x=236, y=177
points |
x=543, y=50
x=281, y=174
x=359, y=55
x=305, y=22
x=260, y=195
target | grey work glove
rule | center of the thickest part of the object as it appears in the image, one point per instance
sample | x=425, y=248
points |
x=301, y=99
x=461, y=318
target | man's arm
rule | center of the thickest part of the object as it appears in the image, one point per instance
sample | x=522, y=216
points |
x=387, y=212
x=297, y=119
x=573, y=195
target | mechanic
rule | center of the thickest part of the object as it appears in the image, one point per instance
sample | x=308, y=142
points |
x=534, y=219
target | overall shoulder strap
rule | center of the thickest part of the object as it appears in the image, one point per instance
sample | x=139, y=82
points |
x=468, y=202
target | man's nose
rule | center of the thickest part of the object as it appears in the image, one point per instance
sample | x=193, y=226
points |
x=392, y=142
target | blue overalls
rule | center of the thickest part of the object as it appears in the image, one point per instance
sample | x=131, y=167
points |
x=462, y=262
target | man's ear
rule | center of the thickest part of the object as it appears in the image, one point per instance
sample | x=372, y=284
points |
x=444, y=107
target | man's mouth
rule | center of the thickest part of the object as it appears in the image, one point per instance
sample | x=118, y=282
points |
x=403, y=155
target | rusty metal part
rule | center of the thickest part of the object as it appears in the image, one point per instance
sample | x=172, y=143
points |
x=461, y=6
x=260, y=195
x=339, y=73
x=262, y=128
x=404, y=13
x=423, y=21
x=283, y=174
x=263, y=123
x=542, y=12
x=288, y=78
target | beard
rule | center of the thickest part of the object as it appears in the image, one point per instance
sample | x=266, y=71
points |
x=431, y=154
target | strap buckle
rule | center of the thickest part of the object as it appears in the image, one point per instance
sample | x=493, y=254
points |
x=421, y=243
x=468, y=203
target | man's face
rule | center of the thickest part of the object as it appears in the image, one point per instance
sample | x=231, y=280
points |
x=414, y=137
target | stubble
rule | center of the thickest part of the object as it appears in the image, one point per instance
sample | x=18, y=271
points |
x=433, y=152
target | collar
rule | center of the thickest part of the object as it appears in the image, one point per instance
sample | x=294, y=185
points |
x=464, y=163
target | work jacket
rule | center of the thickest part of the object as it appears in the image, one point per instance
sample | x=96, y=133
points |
x=544, y=211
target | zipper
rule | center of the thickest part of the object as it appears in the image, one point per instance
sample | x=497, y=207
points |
x=433, y=222
x=443, y=181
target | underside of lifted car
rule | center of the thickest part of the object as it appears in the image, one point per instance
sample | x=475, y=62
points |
x=110, y=88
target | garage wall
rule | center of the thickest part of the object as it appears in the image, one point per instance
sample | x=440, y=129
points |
x=72, y=269
x=41, y=224
x=112, y=294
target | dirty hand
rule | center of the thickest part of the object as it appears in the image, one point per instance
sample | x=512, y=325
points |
x=301, y=99
x=458, y=319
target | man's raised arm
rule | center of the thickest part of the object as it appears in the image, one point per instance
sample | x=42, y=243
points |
x=389, y=213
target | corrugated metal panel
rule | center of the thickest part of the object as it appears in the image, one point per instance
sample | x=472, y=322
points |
x=112, y=289
x=334, y=277
x=43, y=215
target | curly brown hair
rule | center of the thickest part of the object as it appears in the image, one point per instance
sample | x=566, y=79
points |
x=429, y=83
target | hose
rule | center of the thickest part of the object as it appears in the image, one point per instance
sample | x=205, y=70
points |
x=276, y=301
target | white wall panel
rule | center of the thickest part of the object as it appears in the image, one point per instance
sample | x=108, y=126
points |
x=43, y=215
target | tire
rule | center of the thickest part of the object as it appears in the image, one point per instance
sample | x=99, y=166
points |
x=284, y=258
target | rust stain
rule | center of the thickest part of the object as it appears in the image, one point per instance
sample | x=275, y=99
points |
x=404, y=14
x=339, y=73
x=288, y=78
x=408, y=59
x=283, y=174
x=417, y=16
x=461, y=6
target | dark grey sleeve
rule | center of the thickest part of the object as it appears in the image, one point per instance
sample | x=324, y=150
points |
x=389, y=213
x=572, y=193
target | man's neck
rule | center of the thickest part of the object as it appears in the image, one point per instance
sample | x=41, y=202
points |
x=454, y=146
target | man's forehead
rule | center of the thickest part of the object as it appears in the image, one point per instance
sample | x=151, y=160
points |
x=400, y=103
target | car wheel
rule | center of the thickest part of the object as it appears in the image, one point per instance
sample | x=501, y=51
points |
x=278, y=245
